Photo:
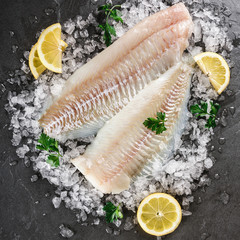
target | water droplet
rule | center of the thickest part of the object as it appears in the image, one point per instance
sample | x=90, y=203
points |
x=96, y=221
x=212, y=148
x=232, y=110
x=11, y=33
x=37, y=202
x=220, y=150
x=199, y=200
x=186, y=213
x=224, y=197
x=205, y=236
x=2, y=88
x=34, y=178
x=47, y=195
x=223, y=121
x=229, y=92
x=135, y=231
x=109, y=230
x=27, y=163
x=38, y=35
x=49, y=11
x=221, y=140
x=44, y=214
x=33, y=19
x=225, y=112
x=13, y=163
x=26, y=54
x=116, y=232
x=231, y=65
x=65, y=231
x=216, y=176
x=14, y=48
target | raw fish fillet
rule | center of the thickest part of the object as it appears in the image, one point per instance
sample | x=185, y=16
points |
x=124, y=147
x=103, y=86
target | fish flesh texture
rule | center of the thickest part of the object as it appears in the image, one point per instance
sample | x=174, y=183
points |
x=103, y=86
x=124, y=148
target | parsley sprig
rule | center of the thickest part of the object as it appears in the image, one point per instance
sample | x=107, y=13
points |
x=156, y=124
x=115, y=14
x=112, y=212
x=50, y=145
x=202, y=111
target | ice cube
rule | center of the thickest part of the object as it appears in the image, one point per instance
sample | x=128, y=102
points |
x=56, y=202
x=65, y=231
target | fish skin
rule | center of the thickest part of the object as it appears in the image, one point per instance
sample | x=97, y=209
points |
x=90, y=98
x=124, y=148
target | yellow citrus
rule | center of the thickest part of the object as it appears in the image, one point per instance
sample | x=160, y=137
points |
x=50, y=47
x=35, y=64
x=214, y=65
x=159, y=214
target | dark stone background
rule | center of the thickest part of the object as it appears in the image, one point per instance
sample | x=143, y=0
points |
x=21, y=218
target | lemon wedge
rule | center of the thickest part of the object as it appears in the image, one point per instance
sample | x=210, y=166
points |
x=159, y=214
x=50, y=48
x=214, y=65
x=35, y=64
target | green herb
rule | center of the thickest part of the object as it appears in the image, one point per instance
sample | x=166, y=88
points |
x=112, y=212
x=115, y=14
x=50, y=145
x=202, y=111
x=156, y=124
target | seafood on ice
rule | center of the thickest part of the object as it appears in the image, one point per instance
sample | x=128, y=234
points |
x=124, y=147
x=102, y=87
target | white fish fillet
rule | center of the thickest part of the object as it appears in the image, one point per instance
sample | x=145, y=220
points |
x=124, y=147
x=103, y=86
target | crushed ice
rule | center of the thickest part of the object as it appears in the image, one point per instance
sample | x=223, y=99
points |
x=65, y=231
x=180, y=175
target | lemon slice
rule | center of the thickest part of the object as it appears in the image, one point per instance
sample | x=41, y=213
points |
x=50, y=47
x=159, y=214
x=216, y=68
x=35, y=64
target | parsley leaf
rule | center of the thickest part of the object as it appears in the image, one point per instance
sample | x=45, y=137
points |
x=112, y=212
x=53, y=160
x=105, y=7
x=111, y=29
x=115, y=14
x=50, y=145
x=202, y=111
x=156, y=125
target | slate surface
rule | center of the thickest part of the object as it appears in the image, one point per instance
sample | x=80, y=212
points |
x=21, y=218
